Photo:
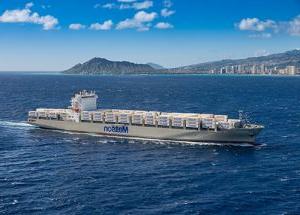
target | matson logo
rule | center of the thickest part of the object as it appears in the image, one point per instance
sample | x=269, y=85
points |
x=116, y=129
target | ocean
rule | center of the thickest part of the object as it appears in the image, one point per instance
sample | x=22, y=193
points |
x=51, y=172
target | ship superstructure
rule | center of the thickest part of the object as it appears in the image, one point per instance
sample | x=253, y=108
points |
x=83, y=116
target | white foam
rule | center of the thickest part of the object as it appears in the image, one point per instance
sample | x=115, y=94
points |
x=16, y=125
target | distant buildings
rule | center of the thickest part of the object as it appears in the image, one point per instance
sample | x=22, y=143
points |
x=257, y=69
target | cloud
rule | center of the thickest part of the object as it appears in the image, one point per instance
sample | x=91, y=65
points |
x=107, y=6
x=27, y=16
x=107, y=25
x=140, y=21
x=127, y=4
x=261, y=35
x=163, y=25
x=126, y=1
x=76, y=26
x=165, y=12
x=142, y=5
x=268, y=27
x=294, y=26
x=261, y=52
x=254, y=24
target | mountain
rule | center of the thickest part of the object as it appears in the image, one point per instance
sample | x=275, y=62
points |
x=156, y=66
x=281, y=60
x=101, y=66
x=271, y=64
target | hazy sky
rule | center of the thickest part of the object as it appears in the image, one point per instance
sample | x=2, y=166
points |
x=51, y=35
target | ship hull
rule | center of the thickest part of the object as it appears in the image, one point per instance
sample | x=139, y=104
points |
x=230, y=136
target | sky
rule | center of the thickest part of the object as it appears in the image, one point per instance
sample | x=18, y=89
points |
x=54, y=35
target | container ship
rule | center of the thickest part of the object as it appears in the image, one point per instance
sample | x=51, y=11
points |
x=83, y=116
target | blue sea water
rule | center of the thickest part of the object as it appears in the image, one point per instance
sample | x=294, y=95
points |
x=49, y=172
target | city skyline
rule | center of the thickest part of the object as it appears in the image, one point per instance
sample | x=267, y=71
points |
x=52, y=36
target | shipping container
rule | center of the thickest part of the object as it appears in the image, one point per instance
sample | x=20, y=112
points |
x=234, y=123
x=208, y=123
x=124, y=117
x=98, y=116
x=163, y=120
x=150, y=119
x=137, y=119
x=178, y=121
x=110, y=117
x=86, y=115
x=221, y=118
x=192, y=122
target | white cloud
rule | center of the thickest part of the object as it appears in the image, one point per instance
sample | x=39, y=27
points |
x=108, y=6
x=107, y=25
x=268, y=27
x=126, y=1
x=140, y=21
x=254, y=24
x=261, y=52
x=142, y=5
x=261, y=35
x=143, y=16
x=163, y=25
x=165, y=12
x=76, y=26
x=294, y=26
x=27, y=16
x=168, y=3
x=29, y=5
x=136, y=5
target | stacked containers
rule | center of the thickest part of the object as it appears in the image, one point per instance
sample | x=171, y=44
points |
x=32, y=114
x=178, y=121
x=124, y=117
x=150, y=118
x=164, y=120
x=52, y=115
x=86, y=116
x=111, y=117
x=221, y=118
x=224, y=125
x=208, y=123
x=234, y=123
x=98, y=116
x=137, y=117
x=192, y=121
x=42, y=114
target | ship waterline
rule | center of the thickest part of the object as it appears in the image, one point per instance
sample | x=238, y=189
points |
x=84, y=117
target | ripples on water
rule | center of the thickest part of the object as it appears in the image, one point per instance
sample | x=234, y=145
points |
x=49, y=172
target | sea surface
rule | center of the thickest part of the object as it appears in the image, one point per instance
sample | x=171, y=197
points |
x=50, y=172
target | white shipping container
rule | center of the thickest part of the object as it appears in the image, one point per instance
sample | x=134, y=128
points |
x=224, y=125
x=222, y=118
x=150, y=120
x=192, y=122
x=124, y=118
x=110, y=117
x=234, y=123
x=177, y=121
x=208, y=123
x=86, y=115
x=163, y=120
x=32, y=114
x=97, y=116
x=207, y=115
x=137, y=119
x=52, y=115
x=42, y=114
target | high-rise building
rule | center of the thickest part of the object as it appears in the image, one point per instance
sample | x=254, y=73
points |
x=291, y=70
